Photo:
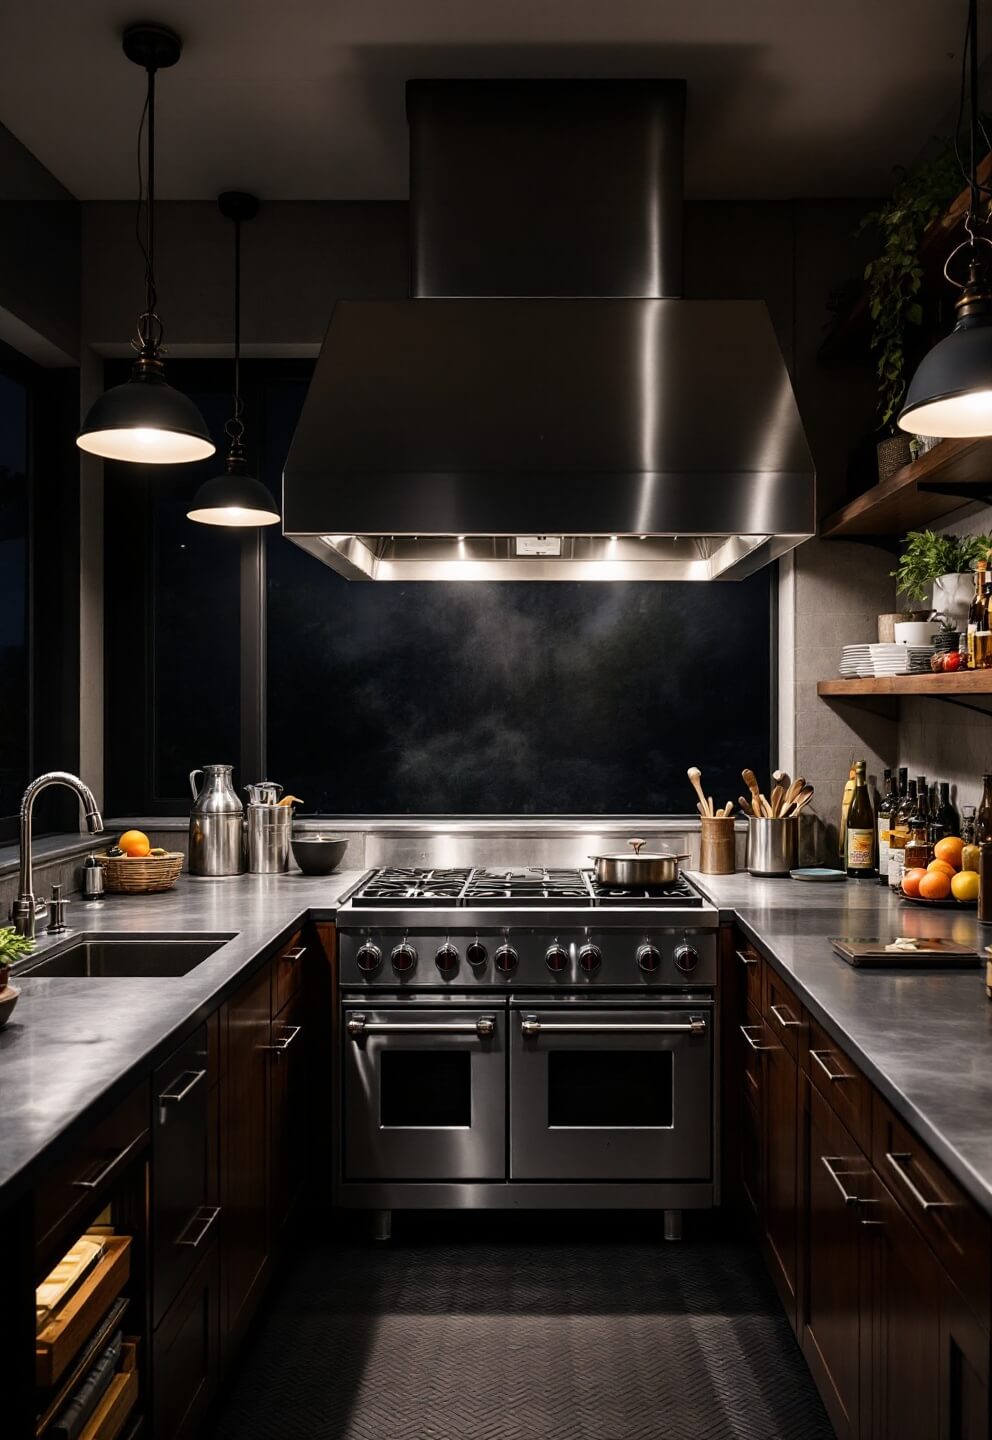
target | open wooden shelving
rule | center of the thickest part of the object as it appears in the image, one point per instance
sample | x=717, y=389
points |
x=962, y=469
x=941, y=687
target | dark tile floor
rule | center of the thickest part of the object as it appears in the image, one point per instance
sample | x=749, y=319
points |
x=507, y=1329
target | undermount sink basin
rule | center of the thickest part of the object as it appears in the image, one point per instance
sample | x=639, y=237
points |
x=106, y=957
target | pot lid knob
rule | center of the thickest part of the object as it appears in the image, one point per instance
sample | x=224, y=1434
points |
x=636, y=845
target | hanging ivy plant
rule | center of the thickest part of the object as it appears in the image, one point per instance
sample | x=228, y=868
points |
x=895, y=276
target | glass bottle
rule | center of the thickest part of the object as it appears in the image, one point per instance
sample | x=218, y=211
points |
x=978, y=614
x=899, y=831
x=886, y=808
x=983, y=635
x=918, y=852
x=968, y=824
x=861, y=831
x=983, y=820
x=947, y=818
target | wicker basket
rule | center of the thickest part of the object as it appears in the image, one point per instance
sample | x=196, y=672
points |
x=148, y=875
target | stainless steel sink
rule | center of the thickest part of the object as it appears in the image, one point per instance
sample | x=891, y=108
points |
x=120, y=957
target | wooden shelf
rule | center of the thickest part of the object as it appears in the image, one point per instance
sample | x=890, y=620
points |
x=960, y=682
x=962, y=469
x=850, y=333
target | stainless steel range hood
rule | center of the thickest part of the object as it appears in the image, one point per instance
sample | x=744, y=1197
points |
x=609, y=432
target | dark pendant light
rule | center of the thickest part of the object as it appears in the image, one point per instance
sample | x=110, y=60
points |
x=950, y=396
x=145, y=419
x=235, y=498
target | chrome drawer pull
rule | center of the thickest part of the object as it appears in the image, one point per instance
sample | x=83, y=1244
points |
x=110, y=1166
x=296, y=954
x=818, y=1055
x=745, y=1031
x=174, y=1096
x=897, y=1159
x=358, y=1026
x=746, y=959
x=695, y=1025
x=786, y=1024
x=281, y=1046
x=206, y=1214
x=829, y=1161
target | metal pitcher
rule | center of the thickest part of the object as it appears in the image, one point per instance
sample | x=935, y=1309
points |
x=216, y=840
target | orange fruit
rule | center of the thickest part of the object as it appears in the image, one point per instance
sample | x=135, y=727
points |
x=135, y=843
x=964, y=886
x=934, y=886
x=949, y=849
x=911, y=882
x=943, y=867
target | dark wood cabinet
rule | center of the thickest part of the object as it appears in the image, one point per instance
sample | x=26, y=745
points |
x=965, y=1402
x=287, y=1091
x=781, y=1172
x=185, y=1354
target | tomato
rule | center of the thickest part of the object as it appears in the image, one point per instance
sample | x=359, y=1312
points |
x=952, y=661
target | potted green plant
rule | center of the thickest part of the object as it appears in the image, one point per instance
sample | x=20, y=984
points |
x=895, y=280
x=937, y=569
x=12, y=947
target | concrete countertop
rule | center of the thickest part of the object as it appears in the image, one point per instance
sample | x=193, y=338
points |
x=71, y=1043
x=923, y=1037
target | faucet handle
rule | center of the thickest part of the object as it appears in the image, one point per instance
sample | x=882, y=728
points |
x=57, y=924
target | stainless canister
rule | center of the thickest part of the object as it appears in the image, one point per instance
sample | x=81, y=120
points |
x=270, y=829
x=216, y=824
x=772, y=845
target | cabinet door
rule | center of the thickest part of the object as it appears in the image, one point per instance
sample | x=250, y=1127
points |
x=834, y=1294
x=965, y=1395
x=287, y=1090
x=181, y=1219
x=905, y=1380
x=780, y=1167
x=244, y=1152
x=184, y=1356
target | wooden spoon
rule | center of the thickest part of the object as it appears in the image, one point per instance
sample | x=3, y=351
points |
x=801, y=801
x=696, y=780
x=778, y=795
x=779, y=777
x=751, y=781
x=794, y=789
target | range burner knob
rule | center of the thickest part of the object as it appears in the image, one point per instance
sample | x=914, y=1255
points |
x=686, y=958
x=556, y=958
x=505, y=959
x=649, y=958
x=446, y=959
x=477, y=954
x=590, y=959
x=404, y=958
x=369, y=958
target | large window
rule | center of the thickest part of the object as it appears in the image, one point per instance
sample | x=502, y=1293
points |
x=413, y=698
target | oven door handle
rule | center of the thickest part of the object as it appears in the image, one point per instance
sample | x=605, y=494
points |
x=360, y=1025
x=695, y=1025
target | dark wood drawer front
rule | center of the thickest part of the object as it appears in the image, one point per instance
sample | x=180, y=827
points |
x=840, y=1083
x=185, y=1356
x=287, y=973
x=953, y=1225
x=754, y=1041
x=783, y=1012
x=76, y=1185
x=184, y=1225
x=751, y=964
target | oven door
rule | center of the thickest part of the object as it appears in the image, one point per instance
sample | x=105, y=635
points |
x=611, y=1094
x=424, y=1092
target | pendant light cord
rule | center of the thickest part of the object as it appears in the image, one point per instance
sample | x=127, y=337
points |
x=150, y=328
x=235, y=426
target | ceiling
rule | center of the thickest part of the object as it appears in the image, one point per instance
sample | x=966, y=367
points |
x=303, y=99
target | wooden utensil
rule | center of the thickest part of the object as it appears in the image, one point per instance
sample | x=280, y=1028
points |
x=751, y=781
x=794, y=789
x=696, y=781
x=780, y=777
x=745, y=805
x=778, y=795
x=801, y=801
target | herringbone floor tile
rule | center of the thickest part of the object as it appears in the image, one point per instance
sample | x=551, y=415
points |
x=509, y=1339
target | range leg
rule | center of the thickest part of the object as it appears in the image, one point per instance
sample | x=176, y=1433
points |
x=382, y=1224
x=673, y=1224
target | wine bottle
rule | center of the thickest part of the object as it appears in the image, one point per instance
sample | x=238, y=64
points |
x=861, y=833
x=983, y=820
x=977, y=616
x=948, y=818
x=886, y=808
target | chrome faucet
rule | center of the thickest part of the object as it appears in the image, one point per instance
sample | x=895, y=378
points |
x=27, y=908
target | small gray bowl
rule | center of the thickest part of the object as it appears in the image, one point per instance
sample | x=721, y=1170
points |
x=318, y=854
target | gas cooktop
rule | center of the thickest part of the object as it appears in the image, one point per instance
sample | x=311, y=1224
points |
x=511, y=885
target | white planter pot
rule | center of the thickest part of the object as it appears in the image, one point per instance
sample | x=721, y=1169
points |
x=952, y=598
x=914, y=632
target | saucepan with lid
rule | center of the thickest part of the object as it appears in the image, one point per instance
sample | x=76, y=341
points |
x=641, y=868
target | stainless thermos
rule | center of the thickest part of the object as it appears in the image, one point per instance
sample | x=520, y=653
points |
x=216, y=823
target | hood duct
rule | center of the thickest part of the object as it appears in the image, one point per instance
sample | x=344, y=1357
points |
x=547, y=408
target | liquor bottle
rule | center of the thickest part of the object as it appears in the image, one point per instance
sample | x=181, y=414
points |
x=983, y=635
x=861, y=833
x=948, y=818
x=978, y=615
x=983, y=820
x=918, y=853
x=899, y=830
x=886, y=809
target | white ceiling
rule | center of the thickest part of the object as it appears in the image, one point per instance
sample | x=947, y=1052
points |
x=303, y=99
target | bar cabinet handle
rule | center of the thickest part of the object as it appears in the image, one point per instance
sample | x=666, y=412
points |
x=818, y=1055
x=746, y=1032
x=295, y=954
x=281, y=1046
x=746, y=959
x=898, y=1159
x=829, y=1162
x=206, y=1214
x=786, y=1024
x=110, y=1166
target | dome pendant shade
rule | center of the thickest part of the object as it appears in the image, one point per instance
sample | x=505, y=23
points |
x=950, y=396
x=235, y=499
x=146, y=421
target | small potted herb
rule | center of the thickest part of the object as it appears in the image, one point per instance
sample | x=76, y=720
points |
x=12, y=947
x=938, y=569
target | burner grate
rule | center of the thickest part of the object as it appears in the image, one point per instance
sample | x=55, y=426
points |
x=517, y=885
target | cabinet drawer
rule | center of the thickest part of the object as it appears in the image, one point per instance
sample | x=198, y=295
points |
x=67, y=1330
x=755, y=1039
x=955, y=1228
x=752, y=965
x=183, y=1224
x=783, y=1012
x=287, y=973
x=840, y=1083
x=185, y=1355
x=74, y=1187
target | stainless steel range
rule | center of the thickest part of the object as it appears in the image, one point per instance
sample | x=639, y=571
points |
x=526, y=1037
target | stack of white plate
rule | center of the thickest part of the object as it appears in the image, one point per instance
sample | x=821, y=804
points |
x=901, y=659
x=855, y=662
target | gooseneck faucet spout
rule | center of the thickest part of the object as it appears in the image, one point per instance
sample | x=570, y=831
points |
x=26, y=908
